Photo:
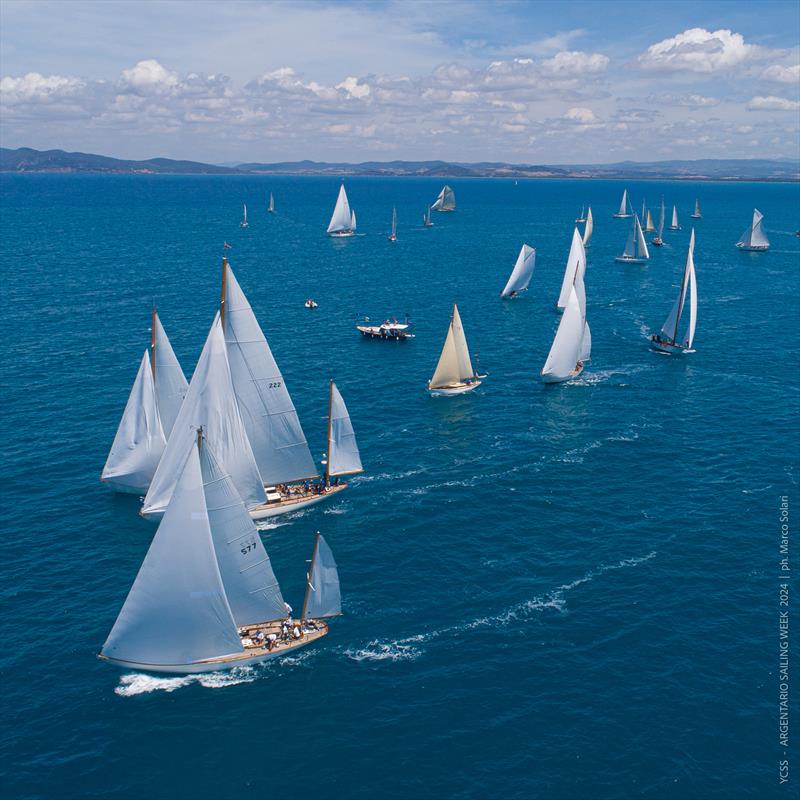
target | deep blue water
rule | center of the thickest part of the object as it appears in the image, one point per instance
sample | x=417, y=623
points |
x=549, y=592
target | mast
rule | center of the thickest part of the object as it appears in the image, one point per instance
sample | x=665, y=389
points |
x=328, y=445
x=308, y=579
x=684, y=282
x=153, y=341
x=224, y=291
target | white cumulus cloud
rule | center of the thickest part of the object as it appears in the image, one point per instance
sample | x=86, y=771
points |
x=772, y=103
x=698, y=50
x=782, y=74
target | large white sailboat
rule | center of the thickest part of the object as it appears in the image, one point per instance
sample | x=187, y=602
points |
x=446, y=201
x=636, y=251
x=576, y=262
x=754, y=237
x=146, y=423
x=343, y=219
x=587, y=231
x=521, y=274
x=668, y=340
x=454, y=373
x=206, y=597
x=674, y=225
x=625, y=211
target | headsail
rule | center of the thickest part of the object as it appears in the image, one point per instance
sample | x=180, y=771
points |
x=576, y=259
x=342, y=218
x=273, y=427
x=523, y=271
x=171, y=385
x=343, y=455
x=210, y=402
x=446, y=201
x=323, y=595
x=455, y=365
x=140, y=439
x=587, y=231
x=176, y=611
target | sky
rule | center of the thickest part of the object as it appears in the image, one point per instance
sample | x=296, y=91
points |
x=526, y=82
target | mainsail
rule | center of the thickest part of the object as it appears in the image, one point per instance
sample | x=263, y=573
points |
x=323, y=595
x=697, y=214
x=565, y=351
x=623, y=206
x=210, y=402
x=674, y=226
x=575, y=260
x=660, y=231
x=273, y=427
x=587, y=231
x=140, y=438
x=394, y=223
x=522, y=272
x=649, y=226
x=343, y=455
x=454, y=364
x=271, y=206
x=342, y=218
x=176, y=611
x=754, y=236
x=669, y=330
x=446, y=201
x=636, y=246
x=170, y=383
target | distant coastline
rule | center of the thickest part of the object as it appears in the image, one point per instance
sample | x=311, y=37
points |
x=26, y=160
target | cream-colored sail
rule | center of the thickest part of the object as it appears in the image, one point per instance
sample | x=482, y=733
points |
x=455, y=365
x=587, y=231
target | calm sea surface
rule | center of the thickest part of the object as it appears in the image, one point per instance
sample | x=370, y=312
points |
x=549, y=592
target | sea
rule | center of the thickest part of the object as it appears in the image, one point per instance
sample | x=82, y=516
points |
x=565, y=591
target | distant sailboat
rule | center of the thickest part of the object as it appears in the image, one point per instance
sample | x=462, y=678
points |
x=658, y=238
x=454, y=373
x=674, y=226
x=426, y=219
x=587, y=231
x=697, y=214
x=446, y=201
x=754, y=237
x=522, y=272
x=271, y=206
x=636, y=251
x=649, y=226
x=582, y=217
x=393, y=234
x=206, y=597
x=244, y=223
x=149, y=415
x=624, y=212
x=576, y=262
x=343, y=220
x=667, y=340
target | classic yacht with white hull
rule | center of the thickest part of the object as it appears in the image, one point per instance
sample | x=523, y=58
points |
x=343, y=219
x=667, y=340
x=636, y=251
x=454, y=373
x=754, y=238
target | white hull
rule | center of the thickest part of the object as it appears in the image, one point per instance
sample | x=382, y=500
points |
x=622, y=216
x=574, y=374
x=674, y=227
x=341, y=234
x=293, y=504
x=753, y=248
x=695, y=216
x=630, y=260
x=460, y=388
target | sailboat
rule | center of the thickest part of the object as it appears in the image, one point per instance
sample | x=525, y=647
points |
x=271, y=206
x=343, y=220
x=754, y=237
x=454, y=373
x=576, y=261
x=636, y=251
x=697, y=214
x=582, y=217
x=426, y=219
x=624, y=207
x=667, y=340
x=244, y=223
x=658, y=238
x=342, y=457
x=587, y=231
x=649, y=226
x=572, y=344
x=393, y=234
x=674, y=226
x=149, y=415
x=521, y=274
x=446, y=201
x=206, y=597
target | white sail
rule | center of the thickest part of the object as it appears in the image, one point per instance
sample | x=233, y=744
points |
x=674, y=226
x=273, y=427
x=323, y=594
x=446, y=201
x=454, y=364
x=394, y=222
x=754, y=236
x=244, y=211
x=692, y=300
x=176, y=612
x=210, y=402
x=566, y=348
x=140, y=440
x=697, y=214
x=669, y=330
x=343, y=455
x=170, y=382
x=341, y=219
x=250, y=585
x=576, y=259
x=586, y=344
x=523, y=271
x=623, y=206
x=641, y=244
x=660, y=231
x=271, y=206
x=587, y=231
x=352, y=220
x=649, y=226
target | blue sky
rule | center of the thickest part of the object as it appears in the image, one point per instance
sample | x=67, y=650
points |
x=540, y=82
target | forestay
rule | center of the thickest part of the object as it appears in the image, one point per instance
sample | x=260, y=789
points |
x=455, y=365
x=343, y=455
x=176, y=611
x=210, y=402
x=139, y=441
x=323, y=595
x=171, y=385
x=522, y=272
x=270, y=419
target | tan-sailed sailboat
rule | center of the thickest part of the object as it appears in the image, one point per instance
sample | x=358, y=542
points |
x=454, y=373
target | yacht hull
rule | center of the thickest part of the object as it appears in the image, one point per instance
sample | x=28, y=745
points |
x=460, y=388
x=626, y=260
x=293, y=503
x=753, y=248
x=341, y=234
x=667, y=348
x=549, y=378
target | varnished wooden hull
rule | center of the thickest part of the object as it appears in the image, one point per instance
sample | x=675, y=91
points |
x=294, y=502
